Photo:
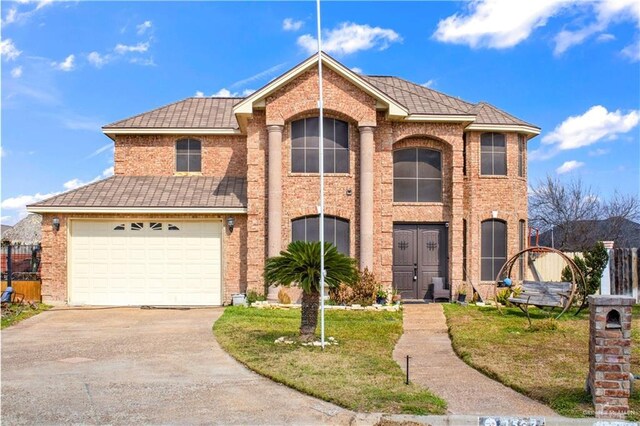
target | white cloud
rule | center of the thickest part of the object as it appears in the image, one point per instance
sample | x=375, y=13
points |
x=142, y=28
x=108, y=172
x=357, y=70
x=5, y=219
x=497, y=23
x=501, y=24
x=349, y=38
x=569, y=166
x=145, y=62
x=223, y=93
x=605, y=37
x=98, y=60
x=16, y=72
x=199, y=94
x=67, y=65
x=139, y=48
x=11, y=16
x=429, y=83
x=262, y=74
x=3, y=152
x=598, y=152
x=632, y=51
x=247, y=92
x=594, y=125
x=8, y=50
x=290, y=25
x=77, y=183
x=100, y=150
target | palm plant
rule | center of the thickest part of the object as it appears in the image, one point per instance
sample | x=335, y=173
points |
x=300, y=264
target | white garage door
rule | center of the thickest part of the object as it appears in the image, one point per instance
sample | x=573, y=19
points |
x=159, y=262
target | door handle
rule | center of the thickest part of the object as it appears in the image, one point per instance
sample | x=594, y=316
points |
x=415, y=272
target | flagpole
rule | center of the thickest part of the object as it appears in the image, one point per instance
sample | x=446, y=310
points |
x=321, y=167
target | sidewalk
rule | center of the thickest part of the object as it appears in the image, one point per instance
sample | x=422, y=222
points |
x=434, y=365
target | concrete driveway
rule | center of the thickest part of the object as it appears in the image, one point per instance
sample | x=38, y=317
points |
x=133, y=366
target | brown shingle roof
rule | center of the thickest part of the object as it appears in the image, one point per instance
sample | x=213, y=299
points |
x=488, y=114
x=193, y=113
x=218, y=112
x=155, y=191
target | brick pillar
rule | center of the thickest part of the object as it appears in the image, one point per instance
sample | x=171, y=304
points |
x=610, y=355
x=367, y=147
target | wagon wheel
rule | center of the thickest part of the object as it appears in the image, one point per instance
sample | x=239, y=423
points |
x=576, y=274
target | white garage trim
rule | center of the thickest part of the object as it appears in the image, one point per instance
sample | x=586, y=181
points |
x=160, y=282
x=138, y=210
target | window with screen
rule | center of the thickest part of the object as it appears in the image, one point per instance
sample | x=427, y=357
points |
x=188, y=155
x=493, y=154
x=305, y=147
x=493, y=251
x=417, y=175
x=336, y=231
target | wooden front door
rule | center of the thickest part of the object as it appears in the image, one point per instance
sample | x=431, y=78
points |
x=419, y=254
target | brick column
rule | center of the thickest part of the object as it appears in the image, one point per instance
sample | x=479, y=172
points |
x=610, y=355
x=367, y=148
x=274, y=233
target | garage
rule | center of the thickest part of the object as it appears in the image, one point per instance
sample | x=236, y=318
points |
x=145, y=262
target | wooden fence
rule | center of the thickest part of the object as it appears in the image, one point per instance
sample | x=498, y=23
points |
x=547, y=266
x=624, y=272
x=30, y=289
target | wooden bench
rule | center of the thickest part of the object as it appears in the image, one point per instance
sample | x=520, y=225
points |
x=543, y=294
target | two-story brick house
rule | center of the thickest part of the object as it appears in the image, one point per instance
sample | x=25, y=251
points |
x=418, y=185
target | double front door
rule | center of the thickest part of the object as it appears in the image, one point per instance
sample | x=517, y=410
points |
x=419, y=255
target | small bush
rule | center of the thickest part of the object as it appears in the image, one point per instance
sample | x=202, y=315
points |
x=547, y=324
x=283, y=297
x=362, y=292
x=503, y=296
x=254, y=296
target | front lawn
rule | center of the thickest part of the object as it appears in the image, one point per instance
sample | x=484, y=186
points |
x=548, y=365
x=15, y=316
x=358, y=374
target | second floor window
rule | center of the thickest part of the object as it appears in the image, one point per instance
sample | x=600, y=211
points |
x=522, y=148
x=305, y=147
x=188, y=155
x=417, y=175
x=493, y=154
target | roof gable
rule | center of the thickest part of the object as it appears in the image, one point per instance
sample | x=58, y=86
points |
x=256, y=99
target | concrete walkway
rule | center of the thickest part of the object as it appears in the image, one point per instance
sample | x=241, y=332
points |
x=133, y=366
x=434, y=365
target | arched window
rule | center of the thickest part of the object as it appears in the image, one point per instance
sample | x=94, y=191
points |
x=417, y=175
x=493, y=154
x=305, y=149
x=188, y=155
x=493, y=251
x=336, y=231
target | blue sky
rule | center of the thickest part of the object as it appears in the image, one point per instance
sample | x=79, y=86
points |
x=570, y=67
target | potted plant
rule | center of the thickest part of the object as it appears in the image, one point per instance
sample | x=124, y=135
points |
x=462, y=295
x=381, y=296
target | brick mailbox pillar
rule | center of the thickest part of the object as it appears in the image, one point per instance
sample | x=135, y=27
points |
x=610, y=355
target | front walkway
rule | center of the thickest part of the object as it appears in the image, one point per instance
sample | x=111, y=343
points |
x=433, y=364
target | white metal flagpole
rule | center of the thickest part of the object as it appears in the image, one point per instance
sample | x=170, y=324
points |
x=321, y=167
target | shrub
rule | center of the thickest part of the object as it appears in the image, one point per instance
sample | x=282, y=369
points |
x=283, y=297
x=254, y=296
x=504, y=295
x=592, y=266
x=362, y=292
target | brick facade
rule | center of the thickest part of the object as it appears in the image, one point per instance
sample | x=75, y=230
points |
x=469, y=196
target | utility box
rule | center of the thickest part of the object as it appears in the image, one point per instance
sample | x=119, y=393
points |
x=609, y=381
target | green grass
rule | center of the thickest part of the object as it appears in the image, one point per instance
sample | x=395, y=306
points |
x=549, y=365
x=358, y=374
x=27, y=312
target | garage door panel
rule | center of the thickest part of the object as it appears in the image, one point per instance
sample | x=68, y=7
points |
x=145, y=266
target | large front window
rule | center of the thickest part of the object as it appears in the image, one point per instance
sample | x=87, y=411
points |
x=305, y=148
x=493, y=154
x=336, y=231
x=417, y=175
x=493, y=250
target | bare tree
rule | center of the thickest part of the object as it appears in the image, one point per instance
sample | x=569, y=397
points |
x=575, y=213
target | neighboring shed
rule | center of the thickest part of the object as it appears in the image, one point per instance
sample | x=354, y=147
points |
x=26, y=232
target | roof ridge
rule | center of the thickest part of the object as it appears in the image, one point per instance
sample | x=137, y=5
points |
x=423, y=97
x=146, y=112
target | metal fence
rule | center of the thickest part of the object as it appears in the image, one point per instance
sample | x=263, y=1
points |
x=20, y=262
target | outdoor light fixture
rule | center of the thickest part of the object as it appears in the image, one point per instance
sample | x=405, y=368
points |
x=231, y=221
x=494, y=214
x=56, y=224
